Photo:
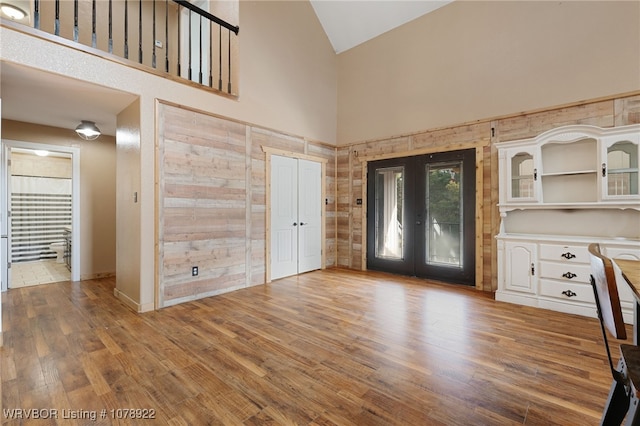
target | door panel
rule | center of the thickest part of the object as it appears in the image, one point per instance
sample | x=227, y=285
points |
x=446, y=200
x=421, y=216
x=310, y=216
x=520, y=267
x=284, y=217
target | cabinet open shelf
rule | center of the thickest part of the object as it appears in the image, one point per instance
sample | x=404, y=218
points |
x=570, y=188
x=581, y=205
x=569, y=157
x=569, y=173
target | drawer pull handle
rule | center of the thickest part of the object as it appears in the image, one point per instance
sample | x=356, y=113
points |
x=569, y=293
x=568, y=255
x=569, y=275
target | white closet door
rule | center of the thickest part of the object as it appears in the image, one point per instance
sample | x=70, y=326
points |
x=309, y=215
x=296, y=215
x=284, y=216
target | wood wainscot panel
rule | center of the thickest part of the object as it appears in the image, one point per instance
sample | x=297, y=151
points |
x=529, y=125
x=260, y=137
x=386, y=148
x=452, y=139
x=202, y=205
x=627, y=111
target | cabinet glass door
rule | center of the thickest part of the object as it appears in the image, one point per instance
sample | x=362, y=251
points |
x=523, y=176
x=621, y=169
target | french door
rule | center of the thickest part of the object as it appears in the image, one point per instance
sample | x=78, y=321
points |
x=421, y=216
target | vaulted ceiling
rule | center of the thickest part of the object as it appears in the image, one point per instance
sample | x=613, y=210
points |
x=35, y=96
x=350, y=23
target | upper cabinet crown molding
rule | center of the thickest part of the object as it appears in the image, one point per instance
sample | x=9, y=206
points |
x=575, y=132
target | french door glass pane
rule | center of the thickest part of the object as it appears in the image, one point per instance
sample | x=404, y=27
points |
x=443, y=237
x=389, y=199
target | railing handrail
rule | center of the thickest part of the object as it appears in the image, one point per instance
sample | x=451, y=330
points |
x=198, y=47
x=207, y=15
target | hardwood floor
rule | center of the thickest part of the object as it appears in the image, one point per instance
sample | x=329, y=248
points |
x=328, y=347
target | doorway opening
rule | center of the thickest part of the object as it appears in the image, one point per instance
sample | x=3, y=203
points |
x=421, y=216
x=40, y=235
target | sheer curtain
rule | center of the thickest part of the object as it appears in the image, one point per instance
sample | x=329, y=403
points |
x=392, y=232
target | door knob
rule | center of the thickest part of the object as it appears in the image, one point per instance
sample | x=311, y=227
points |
x=295, y=224
x=418, y=222
x=302, y=223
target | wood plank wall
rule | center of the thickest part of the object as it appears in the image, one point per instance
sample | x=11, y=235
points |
x=351, y=183
x=211, y=177
x=211, y=198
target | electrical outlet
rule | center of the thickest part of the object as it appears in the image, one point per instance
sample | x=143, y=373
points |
x=194, y=271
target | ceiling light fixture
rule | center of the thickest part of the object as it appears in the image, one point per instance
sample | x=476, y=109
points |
x=12, y=12
x=88, y=130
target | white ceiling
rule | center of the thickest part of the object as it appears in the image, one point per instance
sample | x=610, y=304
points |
x=350, y=23
x=34, y=96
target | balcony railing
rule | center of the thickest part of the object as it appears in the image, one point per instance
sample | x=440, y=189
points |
x=171, y=36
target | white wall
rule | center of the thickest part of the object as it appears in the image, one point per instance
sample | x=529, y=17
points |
x=128, y=210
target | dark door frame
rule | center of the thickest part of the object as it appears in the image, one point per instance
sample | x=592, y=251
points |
x=441, y=272
x=479, y=220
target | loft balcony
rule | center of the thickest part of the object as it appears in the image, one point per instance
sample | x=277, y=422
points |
x=181, y=40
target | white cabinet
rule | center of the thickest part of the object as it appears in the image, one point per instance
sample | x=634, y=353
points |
x=558, y=193
x=553, y=272
x=572, y=166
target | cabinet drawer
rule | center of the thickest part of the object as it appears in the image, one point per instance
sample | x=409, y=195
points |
x=564, y=253
x=566, y=272
x=576, y=292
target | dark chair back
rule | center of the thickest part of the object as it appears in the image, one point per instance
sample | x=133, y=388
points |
x=606, y=292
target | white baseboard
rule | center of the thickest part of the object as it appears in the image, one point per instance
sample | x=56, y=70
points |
x=140, y=308
x=97, y=276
